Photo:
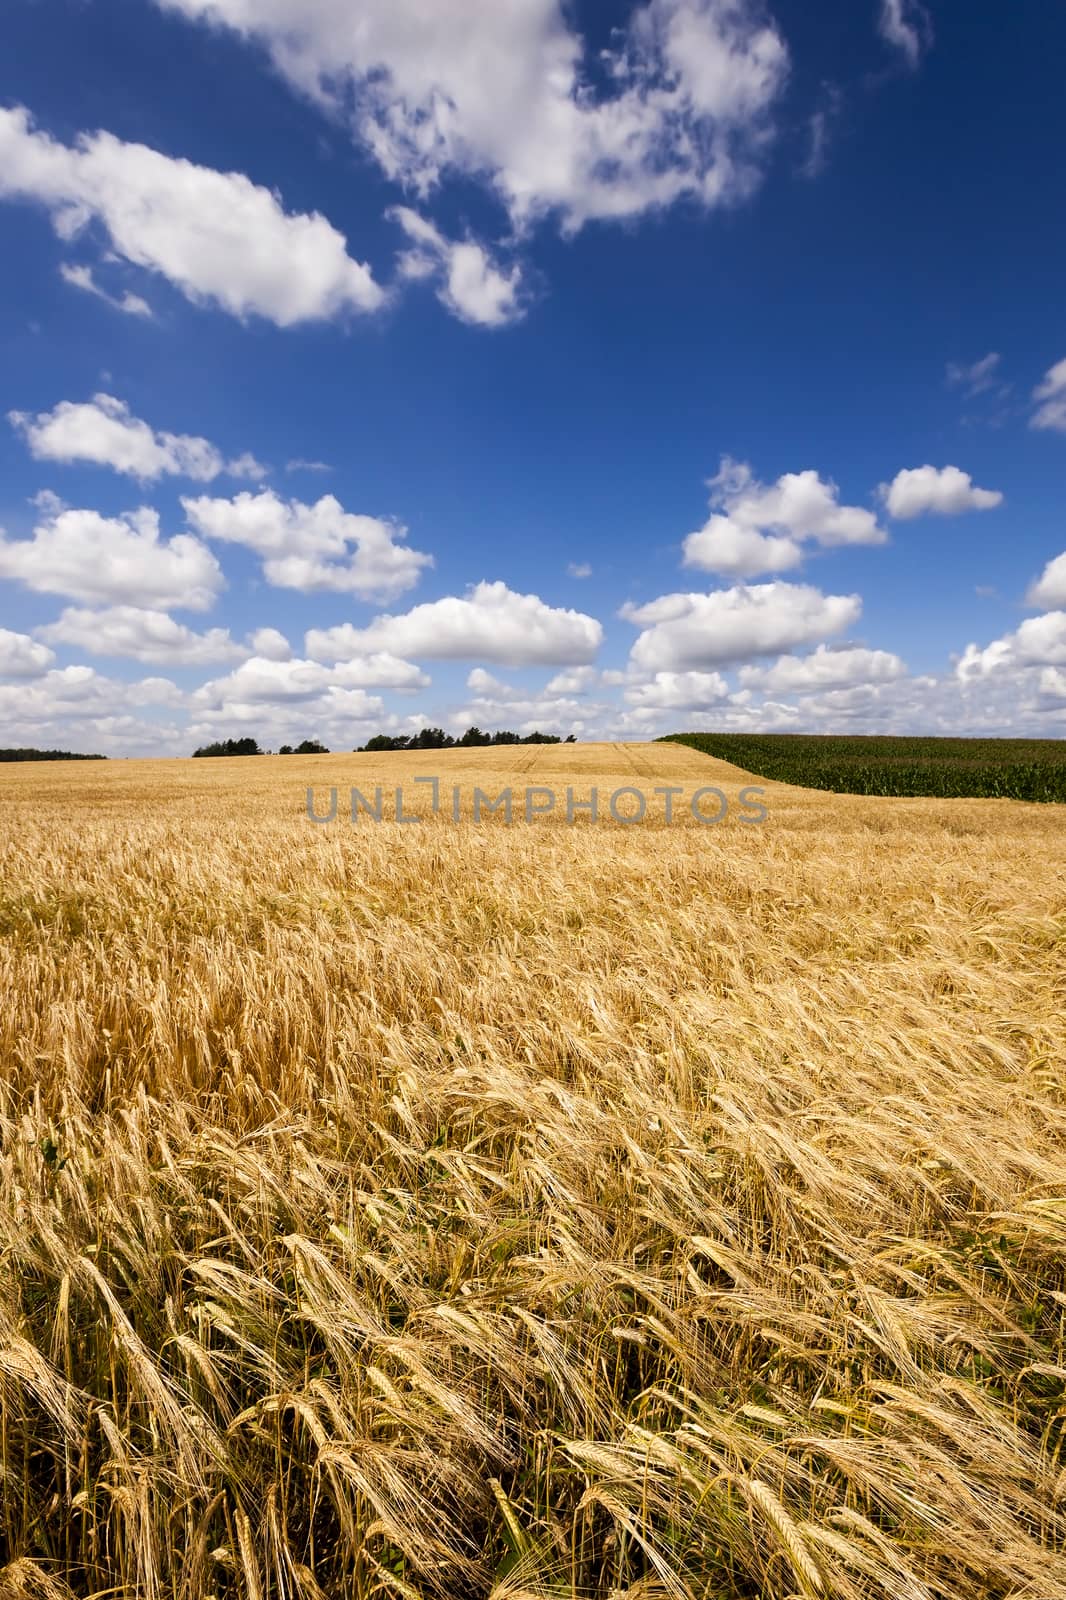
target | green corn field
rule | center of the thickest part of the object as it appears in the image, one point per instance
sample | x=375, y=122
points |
x=934, y=768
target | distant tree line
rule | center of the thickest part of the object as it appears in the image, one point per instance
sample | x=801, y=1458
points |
x=428, y=739
x=46, y=755
x=250, y=747
x=437, y=739
x=230, y=747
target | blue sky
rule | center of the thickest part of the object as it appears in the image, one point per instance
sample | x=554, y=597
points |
x=603, y=368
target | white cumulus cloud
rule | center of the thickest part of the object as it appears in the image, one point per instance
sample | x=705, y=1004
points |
x=77, y=708
x=482, y=682
x=1050, y=588
x=318, y=547
x=472, y=286
x=142, y=635
x=490, y=623
x=23, y=657
x=725, y=546
x=579, y=680
x=271, y=643
x=217, y=237
x=679, y=105
x=105, y=432
x=823, y=669
x=728, y=626
x=113, y=561
x=679, y=691
x=1038, y=642
x=288, y=701
x=262, y=679
x=524, y=713
x=943, y=491
x=756, y=529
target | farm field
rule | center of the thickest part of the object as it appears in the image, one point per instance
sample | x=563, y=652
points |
x=1010, y=769
x=462, y=1210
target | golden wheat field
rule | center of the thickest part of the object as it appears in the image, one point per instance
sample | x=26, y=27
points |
x=468, y=1210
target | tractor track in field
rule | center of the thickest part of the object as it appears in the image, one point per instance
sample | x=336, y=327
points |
x=640, y=764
